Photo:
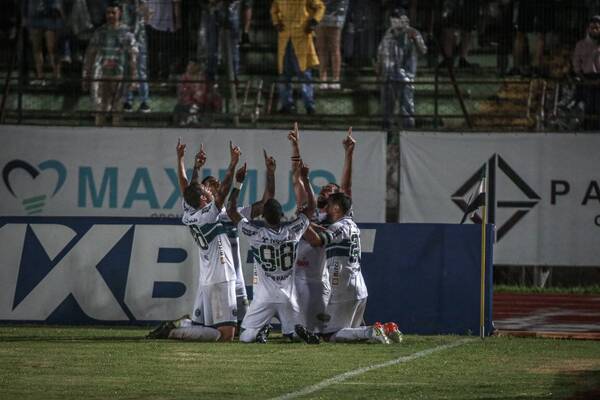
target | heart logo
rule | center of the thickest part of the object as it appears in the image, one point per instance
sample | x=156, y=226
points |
x=34, y=204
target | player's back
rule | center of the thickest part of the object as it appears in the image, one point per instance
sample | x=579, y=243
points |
x=274, y=252
x=214, y=247
x=343, y=253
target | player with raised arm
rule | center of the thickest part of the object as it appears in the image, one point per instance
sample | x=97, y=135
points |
x=274, y=247
x=214, y=316
x=249, y=212
x=348, y=299
x=312, y=278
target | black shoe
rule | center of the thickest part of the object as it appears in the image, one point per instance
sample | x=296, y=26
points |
x=144, y=108
x=306, y=335
x=462, y=63
x=127, y=107
x=445, y=63
x=245, y=38
x=161, y=331
x=263, y=334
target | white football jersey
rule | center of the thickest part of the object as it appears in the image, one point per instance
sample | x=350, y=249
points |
x=214, y=248
x=310, y=261
x=342, y=252
x=274, y=254
x=234, y=240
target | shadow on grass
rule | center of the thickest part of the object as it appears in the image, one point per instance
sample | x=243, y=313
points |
x=583, y=385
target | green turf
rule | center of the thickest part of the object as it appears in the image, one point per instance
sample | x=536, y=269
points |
x=101, y=363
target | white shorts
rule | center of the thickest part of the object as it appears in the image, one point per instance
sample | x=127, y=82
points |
x=347, y=314
x=312, y=300
x=259, y=314
x=216, y=305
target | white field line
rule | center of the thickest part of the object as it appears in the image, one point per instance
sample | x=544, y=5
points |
x=350, y=374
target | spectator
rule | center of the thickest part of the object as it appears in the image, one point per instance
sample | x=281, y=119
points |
x=195, y=96
x=397, y=68
x=163, y=23
x=218, y=16
x=44, y=20
x=110, y=57
x=329, y=32
x=586, y=65
x=538, y=17
x=135, y=13
x=459, y=17
x=296, y=20
x=361, y=33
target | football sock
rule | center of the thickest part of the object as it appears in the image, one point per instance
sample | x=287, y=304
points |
x=242, y=307
x=351, y=334
x=196, y=332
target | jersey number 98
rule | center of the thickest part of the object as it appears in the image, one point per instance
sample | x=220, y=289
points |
x=282, y=257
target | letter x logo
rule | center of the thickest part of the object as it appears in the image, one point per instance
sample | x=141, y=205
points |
x=494, y=165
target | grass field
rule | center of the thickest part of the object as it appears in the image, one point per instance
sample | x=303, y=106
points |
x=103, y=362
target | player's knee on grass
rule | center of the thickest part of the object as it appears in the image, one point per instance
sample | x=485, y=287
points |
x=227, y=333
x=248, y=335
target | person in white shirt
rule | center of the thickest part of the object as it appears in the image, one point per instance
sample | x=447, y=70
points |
x=274, y=247
x=348, y=299
x=214, y=315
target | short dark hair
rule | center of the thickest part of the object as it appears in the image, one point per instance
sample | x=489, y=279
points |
x=113, y=4
x=595, y=18
x=272, y=211
x=192, y=194
x=342, y=200
x=207, y=178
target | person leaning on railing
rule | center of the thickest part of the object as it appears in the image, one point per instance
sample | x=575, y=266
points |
x=397, y=67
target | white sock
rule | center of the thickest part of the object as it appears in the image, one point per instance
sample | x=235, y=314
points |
x=184, y=323
x=351, y=334
x=197, y=332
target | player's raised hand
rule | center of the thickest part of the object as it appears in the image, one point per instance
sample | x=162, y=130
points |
x=200, y=157
x=240, y=174
x=180, y=149
x=294, y=135
x=269, y=162
x=349, y=142
x=235, y=153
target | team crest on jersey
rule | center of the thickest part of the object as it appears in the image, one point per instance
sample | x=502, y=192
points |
x=197, y=312
x=234, y=312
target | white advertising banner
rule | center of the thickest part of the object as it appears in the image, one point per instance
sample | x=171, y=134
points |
x=110, y=172
x=543, y=190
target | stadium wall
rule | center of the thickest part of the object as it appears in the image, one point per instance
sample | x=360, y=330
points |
x=84, y=270
x=543, y=190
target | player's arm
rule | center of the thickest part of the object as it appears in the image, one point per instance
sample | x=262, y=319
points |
x=199, y=162
x=349, y=143
x=232, y=211
x=311, y=204
x=235, y=153
x=298, y=186
x=181, y=174
x=269, y=192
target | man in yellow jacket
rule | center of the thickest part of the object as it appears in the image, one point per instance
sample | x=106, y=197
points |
x=295, y=20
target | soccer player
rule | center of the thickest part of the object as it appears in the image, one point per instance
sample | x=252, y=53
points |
x=274, y=247
x=214, y=317
x=348, y=298
x=312, y=280
x=249, y=212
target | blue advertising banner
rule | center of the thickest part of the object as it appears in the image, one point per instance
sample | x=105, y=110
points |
x=79, y=270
